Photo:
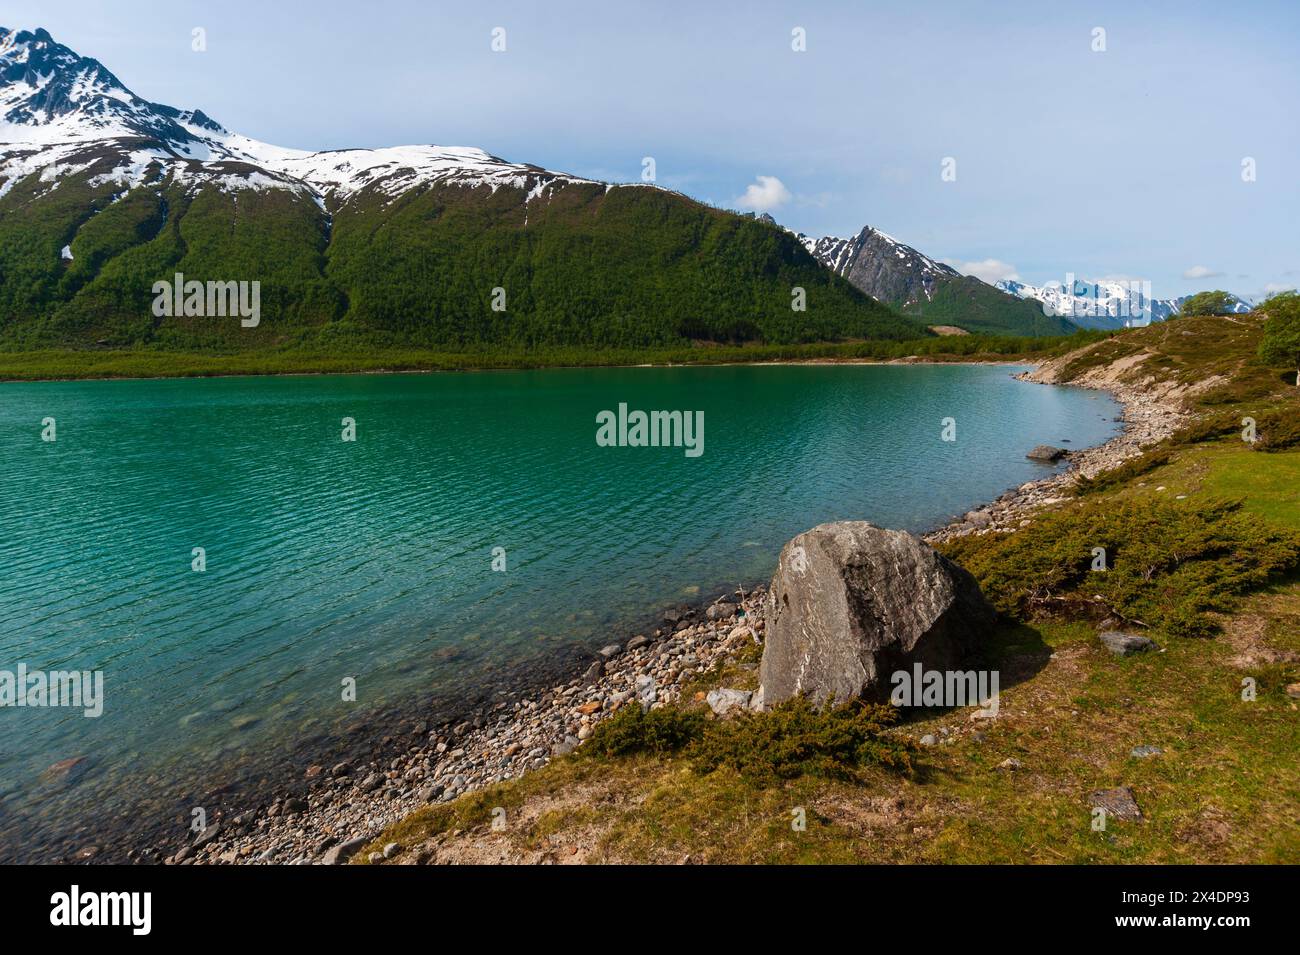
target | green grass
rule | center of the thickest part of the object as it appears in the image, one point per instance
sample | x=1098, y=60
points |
x=311, y=358
x=1268, y=484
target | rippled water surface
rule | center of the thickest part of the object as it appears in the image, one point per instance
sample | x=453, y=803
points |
x=373, y=559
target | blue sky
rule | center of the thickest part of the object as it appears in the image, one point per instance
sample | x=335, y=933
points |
x=1121, y=163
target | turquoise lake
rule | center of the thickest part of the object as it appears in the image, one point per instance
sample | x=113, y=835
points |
x=374, y=559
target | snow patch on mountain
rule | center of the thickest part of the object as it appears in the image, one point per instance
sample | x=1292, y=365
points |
x=57, y=106
x=1105, y=304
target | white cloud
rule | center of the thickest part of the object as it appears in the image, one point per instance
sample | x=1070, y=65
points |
x=764, y=195
x=989, y=270
x=1201, y=272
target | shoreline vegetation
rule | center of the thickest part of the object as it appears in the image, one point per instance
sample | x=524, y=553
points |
x=570, y=773
x=82, y=364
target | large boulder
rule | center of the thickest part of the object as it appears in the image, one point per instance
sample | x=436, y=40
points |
x=851, y=603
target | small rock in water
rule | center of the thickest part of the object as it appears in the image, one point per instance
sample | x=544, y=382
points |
x=610, y=651
x=1045, y=452
x=65, y=770
x=1125, y=644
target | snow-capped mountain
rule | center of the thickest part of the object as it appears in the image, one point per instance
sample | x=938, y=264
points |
x=915, y=284
x=881, y=266
x=1104, y=304
x=61, y=112
x=104, y=193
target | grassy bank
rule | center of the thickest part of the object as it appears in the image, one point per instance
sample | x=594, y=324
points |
x=1204, y=540
x=313, y=359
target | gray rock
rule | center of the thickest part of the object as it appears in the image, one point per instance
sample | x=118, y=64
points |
x=344, y=851
x=928, y=740
x=636, y=643
x=723, y=701
x=371, y=783
x=850, y=603
x=1118, y=803
x=721, y=611
x=646, y=692
x=1045, y=452
x=392, y=849
x=567, y=746
x=1125, y=644
x=207, y=835
x=611, y=651
x=1141, y=752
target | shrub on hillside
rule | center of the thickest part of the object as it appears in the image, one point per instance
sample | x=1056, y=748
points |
x=658, y=732
x=1116, y=476
x=1281, y=344
x=1217, y=302
x=794, y=739
x=1277, y=431
x=1169, y=563
x=790, y=740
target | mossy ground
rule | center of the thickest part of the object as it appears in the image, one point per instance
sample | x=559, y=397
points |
x=1224, y=789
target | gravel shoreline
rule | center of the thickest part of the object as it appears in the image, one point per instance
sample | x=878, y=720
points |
x=1148, y=416
x=350, y=803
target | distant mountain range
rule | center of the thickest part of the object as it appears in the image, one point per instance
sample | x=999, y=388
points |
x=917, y=285
x=1104, y=304
x=104, y=193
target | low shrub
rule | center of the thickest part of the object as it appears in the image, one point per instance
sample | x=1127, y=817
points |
x=793, y=739
x=1169, y=563
x=790, y=740
x=1277, y=431
x=1116, y=476
x=632, y=730
x=1207, y=428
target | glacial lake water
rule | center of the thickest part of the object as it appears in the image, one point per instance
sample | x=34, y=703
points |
x=374, y=559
